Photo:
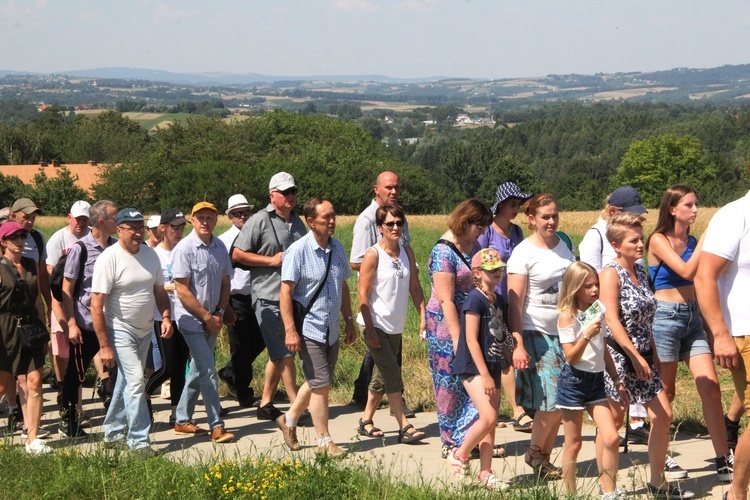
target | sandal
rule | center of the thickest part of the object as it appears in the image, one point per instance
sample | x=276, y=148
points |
x=497, y=452
x=525, y=426
x=539, y=461
x=404, y=436
x=374, y=432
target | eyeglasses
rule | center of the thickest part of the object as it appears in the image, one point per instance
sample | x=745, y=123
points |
x=242, y=213
x=397, y=223
x=287, y=192
x=133, y=230
x=17, y=236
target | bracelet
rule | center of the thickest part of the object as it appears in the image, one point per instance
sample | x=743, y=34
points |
x=617, y=381
x=586, y=338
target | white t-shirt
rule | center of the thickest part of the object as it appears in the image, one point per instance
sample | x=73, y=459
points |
x=728, y=236
x=594, y=248
x=241, y=279
x=57, y=246
x=544, y=269
x=165, y=258
x=128, y=280
x=592, y=359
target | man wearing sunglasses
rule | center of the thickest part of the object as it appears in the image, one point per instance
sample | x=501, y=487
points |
x=245, y=341
x=387, y=190
x=260, y=247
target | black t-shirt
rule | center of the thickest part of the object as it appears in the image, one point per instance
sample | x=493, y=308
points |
x=491, y=321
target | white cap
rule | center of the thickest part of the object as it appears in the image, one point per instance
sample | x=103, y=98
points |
x=80, y=209
x=281, y=182
x=153, y=221
x=237, y=201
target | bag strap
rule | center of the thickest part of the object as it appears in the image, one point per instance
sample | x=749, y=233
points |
x=453, y=247
x=39, y=240
x=275, y=235
x=17, y=284
x=84, y=255
x=322, y=283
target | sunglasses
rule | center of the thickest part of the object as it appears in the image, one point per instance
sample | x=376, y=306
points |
x=397, y=223
x=241, y=213
x=287, y=192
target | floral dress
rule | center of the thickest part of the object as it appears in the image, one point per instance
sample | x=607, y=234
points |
x=456, y=412
x=636, y=314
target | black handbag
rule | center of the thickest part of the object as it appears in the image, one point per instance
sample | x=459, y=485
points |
x=301, y=311
x=32, y=334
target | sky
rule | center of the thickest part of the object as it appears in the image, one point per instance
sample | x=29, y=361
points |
x=396, y=38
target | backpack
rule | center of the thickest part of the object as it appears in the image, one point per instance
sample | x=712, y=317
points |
x=58, y=273
x=39, y=240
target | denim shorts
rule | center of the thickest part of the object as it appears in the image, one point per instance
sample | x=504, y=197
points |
x=678, y=331
x=577, y=389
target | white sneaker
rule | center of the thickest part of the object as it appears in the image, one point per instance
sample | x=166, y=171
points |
x=37, y=447
x=673, y=471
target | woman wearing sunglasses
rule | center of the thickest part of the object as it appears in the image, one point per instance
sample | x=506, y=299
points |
x=387, y=277
x=20, y=299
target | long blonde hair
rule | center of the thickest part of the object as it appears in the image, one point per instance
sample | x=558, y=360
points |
x=573, y=279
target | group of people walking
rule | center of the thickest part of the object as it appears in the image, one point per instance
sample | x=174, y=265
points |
x=505, y=313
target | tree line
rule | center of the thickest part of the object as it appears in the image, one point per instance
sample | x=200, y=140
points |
x=579, y=152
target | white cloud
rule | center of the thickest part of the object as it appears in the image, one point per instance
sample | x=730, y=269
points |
x=166, y=12
x=423, y=5
x=363, y=5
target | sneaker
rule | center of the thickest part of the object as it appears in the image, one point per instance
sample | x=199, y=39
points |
x=670, y=492
x=219, y=435
x=40, y=433
x=112, y=445
x=189, y=429
x=268, y=412
x=83, y=419
x=71, y=430
x=231, y=389
x=305, y=419
x=673, y=471
x=618, y=494
x=104, y=393
x=638, y=435
x=490, y=481
x=290, y=433
x=146, y=451
x=55, y=384
x=461, y=468
x=15, y=420
x=725, y=468
x=445, y=451
x=733, y=432
x=172, y=420
x=332, y=450
x=37, y=447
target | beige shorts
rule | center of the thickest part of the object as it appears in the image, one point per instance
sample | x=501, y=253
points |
x=740, y=375
x=60, y=345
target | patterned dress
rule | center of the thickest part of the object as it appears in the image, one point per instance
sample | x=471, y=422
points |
x=455, y=410
x=636, y=313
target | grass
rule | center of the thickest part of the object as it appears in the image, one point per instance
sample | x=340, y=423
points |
x=115, y=474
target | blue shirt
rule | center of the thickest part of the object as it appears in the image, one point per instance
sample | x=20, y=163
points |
x=662, y=275
x=205, y=265
x=305, y=264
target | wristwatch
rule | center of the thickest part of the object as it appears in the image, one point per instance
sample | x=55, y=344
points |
x=219, y=311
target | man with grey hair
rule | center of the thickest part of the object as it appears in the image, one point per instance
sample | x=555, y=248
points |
x=77, y=308
x=260, y=248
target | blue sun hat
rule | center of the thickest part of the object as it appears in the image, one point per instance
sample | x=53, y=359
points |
x=508, y=190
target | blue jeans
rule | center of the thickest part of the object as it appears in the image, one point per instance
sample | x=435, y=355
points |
x=128, y=399
x=201, y=379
